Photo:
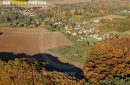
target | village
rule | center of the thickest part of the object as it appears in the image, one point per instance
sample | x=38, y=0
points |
x=81, y=30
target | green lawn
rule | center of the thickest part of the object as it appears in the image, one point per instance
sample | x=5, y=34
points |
x=126, y=33
x=74, y=53
x=123, y=13
x=89, y=40
x=62, y=30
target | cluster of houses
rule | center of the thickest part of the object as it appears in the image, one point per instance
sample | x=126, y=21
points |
x=27, y=12
x=125, y=11
x=83, y=34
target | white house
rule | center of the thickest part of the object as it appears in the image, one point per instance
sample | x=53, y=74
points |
x=69, y=32
x=80, y=32
x=76, y=28
x=74, y=33
x=99, y=38
x=96, y=21
x=94, y=36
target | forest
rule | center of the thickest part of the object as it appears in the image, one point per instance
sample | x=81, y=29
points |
x=109, y=60
x=120, y=25
x=28, y=71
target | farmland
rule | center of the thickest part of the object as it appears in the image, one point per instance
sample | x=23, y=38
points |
x=32, y=41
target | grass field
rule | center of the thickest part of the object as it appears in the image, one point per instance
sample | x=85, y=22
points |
x=124, y=13
x=127, y=33
x=74, y=53
x=89, y=40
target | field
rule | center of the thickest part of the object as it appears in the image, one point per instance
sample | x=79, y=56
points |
x=77, y=52
x=126, y=33
x=112, y=16
x=89, y=40
x=33, y=41
x=74, y=53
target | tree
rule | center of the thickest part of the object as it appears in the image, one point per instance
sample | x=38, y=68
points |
x=28, y=21
x=1, y=19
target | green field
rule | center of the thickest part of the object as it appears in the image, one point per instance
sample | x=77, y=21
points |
x=127, y=33
x=123, y=13
x=89, y=40
x=74, y=53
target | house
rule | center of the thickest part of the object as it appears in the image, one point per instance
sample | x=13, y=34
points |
x=69, y=32
x=47, y=19
x=96, y=21
x=55, y=23
x=84, y=31
x=124, y=11
x=74, y=33
x=84, y=22
x=2, y=12
x=78, y=25
x=99, y=38
x=76, y=28
x=66, y=28
x=94, y=36
x=80, y=32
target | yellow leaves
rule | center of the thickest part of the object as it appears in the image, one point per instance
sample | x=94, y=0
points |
x=86, y=70
x=12, y=83
x=127, y=71
x=77, y=16
x=115, y=59
x=93, y=80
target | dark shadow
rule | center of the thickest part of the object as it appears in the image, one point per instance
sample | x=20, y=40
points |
x=1, y=33
x=53, y=63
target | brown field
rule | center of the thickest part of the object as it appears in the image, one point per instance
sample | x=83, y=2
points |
x=29, y=41
x=122, y=33
x=33, y=41
x=112, y=16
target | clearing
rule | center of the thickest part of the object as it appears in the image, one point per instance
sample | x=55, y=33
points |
x=111, y=16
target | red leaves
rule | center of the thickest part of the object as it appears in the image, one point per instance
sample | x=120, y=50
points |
x=110, y=58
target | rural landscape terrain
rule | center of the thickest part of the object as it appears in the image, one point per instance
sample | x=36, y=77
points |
x=63, y=42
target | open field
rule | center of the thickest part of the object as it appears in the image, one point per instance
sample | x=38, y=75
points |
x=126, y=33
x=29, y=41
x=33, y=41
x=112, y=16
x=74, y=53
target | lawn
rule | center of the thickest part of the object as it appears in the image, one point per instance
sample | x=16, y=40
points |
x=123, y=13
x=62, y=30
x=126, y=33
x=74, y=53
x=89, y=40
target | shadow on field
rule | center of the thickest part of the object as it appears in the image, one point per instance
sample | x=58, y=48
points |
x=1, y=33
x=53, y=63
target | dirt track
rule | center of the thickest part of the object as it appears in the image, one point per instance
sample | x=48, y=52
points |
x=33, y=41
